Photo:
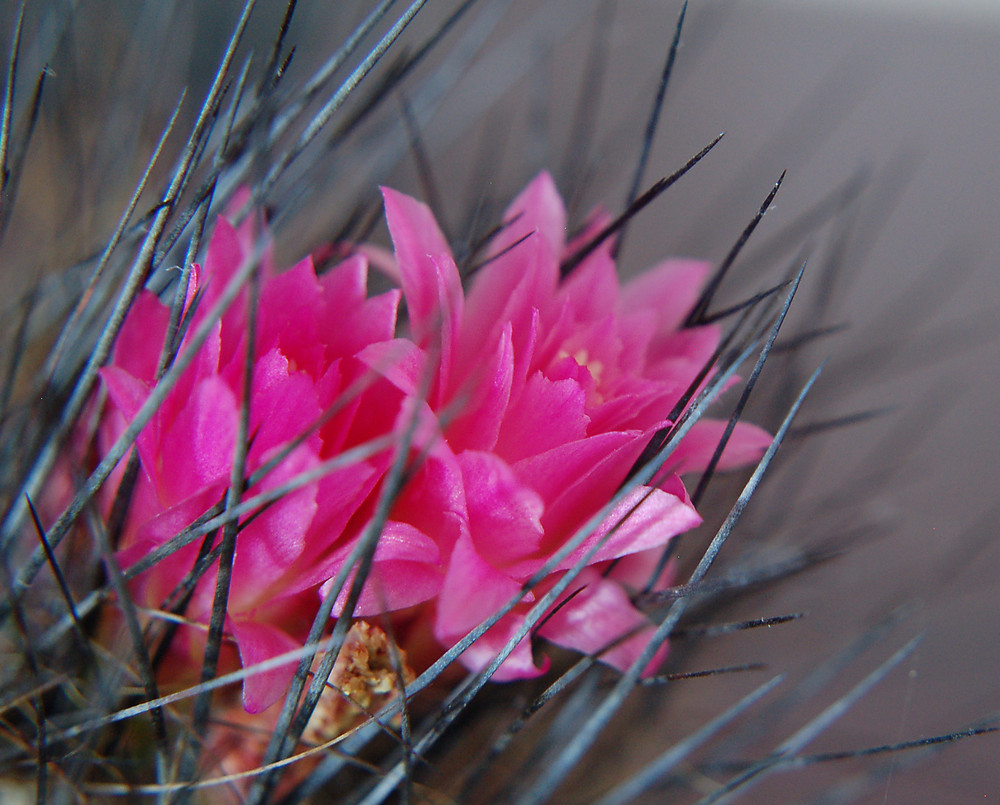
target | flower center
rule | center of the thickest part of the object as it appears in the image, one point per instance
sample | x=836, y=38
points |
x=582, y=358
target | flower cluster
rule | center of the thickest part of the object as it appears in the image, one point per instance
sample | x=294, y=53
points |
x=533, y=397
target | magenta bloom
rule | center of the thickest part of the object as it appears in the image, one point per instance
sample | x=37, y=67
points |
x=310, y=334
x=548, y=392
x=542, y=394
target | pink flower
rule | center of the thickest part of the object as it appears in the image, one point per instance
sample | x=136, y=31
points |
x=556, y=387
x=543, y=393
x=312, y=334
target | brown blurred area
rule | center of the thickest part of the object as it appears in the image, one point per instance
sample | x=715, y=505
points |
x=906, y=107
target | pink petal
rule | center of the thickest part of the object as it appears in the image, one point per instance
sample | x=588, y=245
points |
x=519, y=282
x=291, y=307
x=405, y=571
x=380, y=259
x=274, y=539
x=567, y=368
x=239, y=202
x=635, y=570
x=224, y=258
x=592, y=288
x=431, y=283
x=433, y=499
x=560, y=327
x=596, y=222
x=538, y=208
x=332, y=397
x=373, y=321
x=504, y=514
x=128, y=394
x=345, y=286
x=638, y=404
x=595, y=618
x=520, y=663
x=547, y=414
x=746, y=445
x=206, y=364
x=257, y=643
x=550, y=472
x=282, y=404
x=477, y=424
x=473, y=590
x=646, y=518
x=197, y=450
x=689, y=348
x=252, y=232
x=576, y=478
x=509, y=290
x=168, y=522
x=670, y=289
x=350, y=321
x=370, y=408
x=109, y=430
x=339, y=495
x=523, y=342
x=597, y=347
x=636, y=332
x=425, y=262
x=400, y=361
x=156, y=525
x=140, y=340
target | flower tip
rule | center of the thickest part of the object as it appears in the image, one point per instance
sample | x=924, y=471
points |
x=542, y=195
x=539, y=208
x=543, y=180
x=396, y=198
x=240, y=199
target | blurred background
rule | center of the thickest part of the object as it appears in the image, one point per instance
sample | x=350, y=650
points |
x=885, y=117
